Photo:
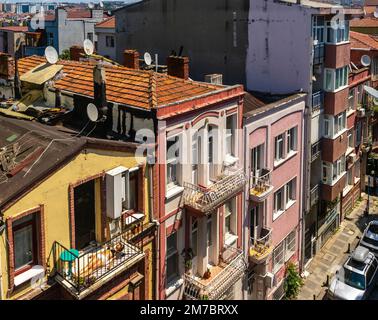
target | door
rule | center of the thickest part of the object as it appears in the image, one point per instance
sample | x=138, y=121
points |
x=254, y=222
x=209, y=239
x=210, y=158
x=257, y=161
x=85, y=225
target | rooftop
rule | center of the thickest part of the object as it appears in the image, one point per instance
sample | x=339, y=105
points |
x=107, y=23
x=15, y=28
x=136, y=88
x=363, y=41
x=368, y=22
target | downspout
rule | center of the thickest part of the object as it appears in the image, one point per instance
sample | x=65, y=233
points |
x=245, y=216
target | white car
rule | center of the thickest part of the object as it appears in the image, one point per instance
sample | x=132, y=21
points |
x=357, y=277
x=370, y=237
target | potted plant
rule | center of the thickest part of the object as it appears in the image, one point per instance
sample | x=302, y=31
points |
x=207, y=274
x=187, y=254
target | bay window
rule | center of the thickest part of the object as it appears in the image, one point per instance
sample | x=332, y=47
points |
x=337, y=32
x=336, y=78
x=339, y=123
x=331, y=172
x=334, y=125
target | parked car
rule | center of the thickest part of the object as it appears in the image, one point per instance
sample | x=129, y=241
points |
x=370, y=237
x=357, y=278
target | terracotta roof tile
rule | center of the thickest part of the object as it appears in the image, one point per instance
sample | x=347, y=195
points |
x=108, y=23
x=368, y=22
x=15, y=28
x=363, y=41
x=138, y=88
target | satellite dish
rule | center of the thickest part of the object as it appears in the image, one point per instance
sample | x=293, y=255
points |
x=88, y=47
x=371, y=91
x=375, y=101
x=147, y=59
x=90, y=5
x=375, y=14
x=365, y=60
x=92, y=112
x=51, y=55
x=101, y=4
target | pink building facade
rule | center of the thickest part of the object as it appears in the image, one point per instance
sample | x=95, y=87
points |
x=273, y=201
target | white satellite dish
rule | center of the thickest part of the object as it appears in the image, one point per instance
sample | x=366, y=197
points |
x=51, y=55
x=375, y=14
x=92, y=112
x=101, y=4
x=88, y=47
x=90, y=5
x=147, y=59
x=365, y=60
x=375, y=101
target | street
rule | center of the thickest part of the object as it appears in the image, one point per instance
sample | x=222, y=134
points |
x=335, y=252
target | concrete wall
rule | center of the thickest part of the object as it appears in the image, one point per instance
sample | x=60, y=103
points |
x=206, y=30
x=280, y=47
x=102, y=49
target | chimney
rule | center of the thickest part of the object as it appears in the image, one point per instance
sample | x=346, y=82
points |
x=131, y=59
x=75, y=53
x=178, y=67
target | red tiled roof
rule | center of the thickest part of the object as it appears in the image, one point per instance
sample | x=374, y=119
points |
x=15, y=28
x=363, y=41
x=108, y=23
x=137, y=88
x=79, y=13
x=368, y=22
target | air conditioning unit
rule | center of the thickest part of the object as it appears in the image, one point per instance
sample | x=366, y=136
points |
x=214, y=78
x=352, y=158
x=269, y=280
x=115, y=186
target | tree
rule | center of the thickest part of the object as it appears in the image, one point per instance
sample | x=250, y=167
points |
x=293, y=282
x=65, y=55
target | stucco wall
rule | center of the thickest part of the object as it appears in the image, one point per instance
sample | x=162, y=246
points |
x=102, y=49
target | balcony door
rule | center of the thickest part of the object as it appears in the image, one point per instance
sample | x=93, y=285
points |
x=254, y=222
x=85, y=225
x=257, y=160
x=209, y=239
x=211, y=171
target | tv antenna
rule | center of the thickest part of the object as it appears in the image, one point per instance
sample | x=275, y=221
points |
x=88, y=47
x=92, y=112
x=365, y=60
x=51, y=55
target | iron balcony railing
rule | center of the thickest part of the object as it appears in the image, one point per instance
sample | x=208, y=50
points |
x=317, y=101
x=319, y=53
x=260, y=184
x=206, y=199
x=80, y=271
x=233, y=267
x=314, y=194
x=261, y=246
x=315, y=150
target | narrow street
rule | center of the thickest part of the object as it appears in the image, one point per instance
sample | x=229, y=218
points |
x=334, y=253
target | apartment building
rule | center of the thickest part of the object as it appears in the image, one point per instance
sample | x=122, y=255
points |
x=68, y=231
x=12, y=40
x=195, y=156
x=274, y=157
x=106, y=45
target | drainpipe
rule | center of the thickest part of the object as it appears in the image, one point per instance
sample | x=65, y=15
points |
x=245, y=216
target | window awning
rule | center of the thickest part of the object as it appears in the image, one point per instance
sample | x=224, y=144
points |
x=371, y=91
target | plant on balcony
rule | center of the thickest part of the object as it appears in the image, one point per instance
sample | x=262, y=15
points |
x=293, y=282
x=187, y=254
x=207, y=274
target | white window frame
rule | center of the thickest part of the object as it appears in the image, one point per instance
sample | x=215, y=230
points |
x=284, y=250
x=279, y=139
x=233, y=216
x=331, y=79
x=339, y=35
x=172, y=278
x=291, y=140
x=230, y=147
x=170, y=161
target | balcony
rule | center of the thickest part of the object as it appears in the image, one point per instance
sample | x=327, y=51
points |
x=81, y=273
x=207, y=199
x=336, y=102
x=317, y=101
x=331, y=192
x=314, y=195
x=223, y=276
x=333, y=149
x=261, y=185
x=261, y=247
x=315, y=151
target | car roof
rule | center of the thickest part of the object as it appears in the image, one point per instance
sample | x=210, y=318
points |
x=359, y=260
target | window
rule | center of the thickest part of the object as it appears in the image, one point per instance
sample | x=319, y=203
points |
x=339, y=123
x=331, y=172
x=358, y=133
x=257, y=161
x=336, y=78
x=337, y=32
x=375, y=66
x=350, y=139
x=50, y=39
x=284, y=251
x=290, y=191
x=327, y=129
x=90, y=36
x=25, y=243
x=318, y=29
x=229, y=218
x=357, y=172
x=278, y=200
x=195, y=157
x=173, y=159
x=130, y=189
x=279, y=147
x=349, y=180
x=290, y=245
x=278, y=256
x=194, y=236
x=291, y=138
x=351, y=99
x=109, y=41
x=338, y=168
x=230, y=134
x=172, y=257
x=211, y=152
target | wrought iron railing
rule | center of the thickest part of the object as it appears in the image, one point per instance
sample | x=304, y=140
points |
x=315, y=150
x=81, y=270
x=314, y=194
x=234, y=268
x=319, y=53
x=206, y=199
x=317, y=101
x=260, y=183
